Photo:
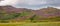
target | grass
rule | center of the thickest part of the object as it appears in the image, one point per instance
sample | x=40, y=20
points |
x=31, y=24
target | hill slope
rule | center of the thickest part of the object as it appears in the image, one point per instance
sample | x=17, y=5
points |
x=12, y=13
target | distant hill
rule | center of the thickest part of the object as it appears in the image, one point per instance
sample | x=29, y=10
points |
x=10, y=9
x=12, y=13
x=49, y=11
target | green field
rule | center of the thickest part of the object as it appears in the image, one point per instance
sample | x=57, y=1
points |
x=31, y=24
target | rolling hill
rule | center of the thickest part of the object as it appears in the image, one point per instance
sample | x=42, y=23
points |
x=21, y=14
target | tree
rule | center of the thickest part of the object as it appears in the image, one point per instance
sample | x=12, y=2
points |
x=32, y=18
x=10, y=16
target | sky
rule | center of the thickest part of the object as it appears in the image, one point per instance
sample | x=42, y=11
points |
x=31, y=4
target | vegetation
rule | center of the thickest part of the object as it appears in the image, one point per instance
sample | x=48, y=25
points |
x=32, y=18
x=4, y=21
x=9, y=16
x=43, y=15
x=31, y=24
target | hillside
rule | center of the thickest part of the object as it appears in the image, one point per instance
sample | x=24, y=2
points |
x=21, y=14
x=46, y=12
x=12, y=13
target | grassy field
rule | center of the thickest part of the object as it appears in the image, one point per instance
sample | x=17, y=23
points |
x=31, y=24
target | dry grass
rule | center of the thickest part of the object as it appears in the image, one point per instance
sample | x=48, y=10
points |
x=31, y=24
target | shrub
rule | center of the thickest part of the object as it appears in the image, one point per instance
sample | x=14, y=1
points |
x=4, y=21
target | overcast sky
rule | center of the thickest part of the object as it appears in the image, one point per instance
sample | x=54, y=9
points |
x=31, y=4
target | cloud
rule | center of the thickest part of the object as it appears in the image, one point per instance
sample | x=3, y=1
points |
x=53, y=2
x=33, y=4
x=8, y=2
